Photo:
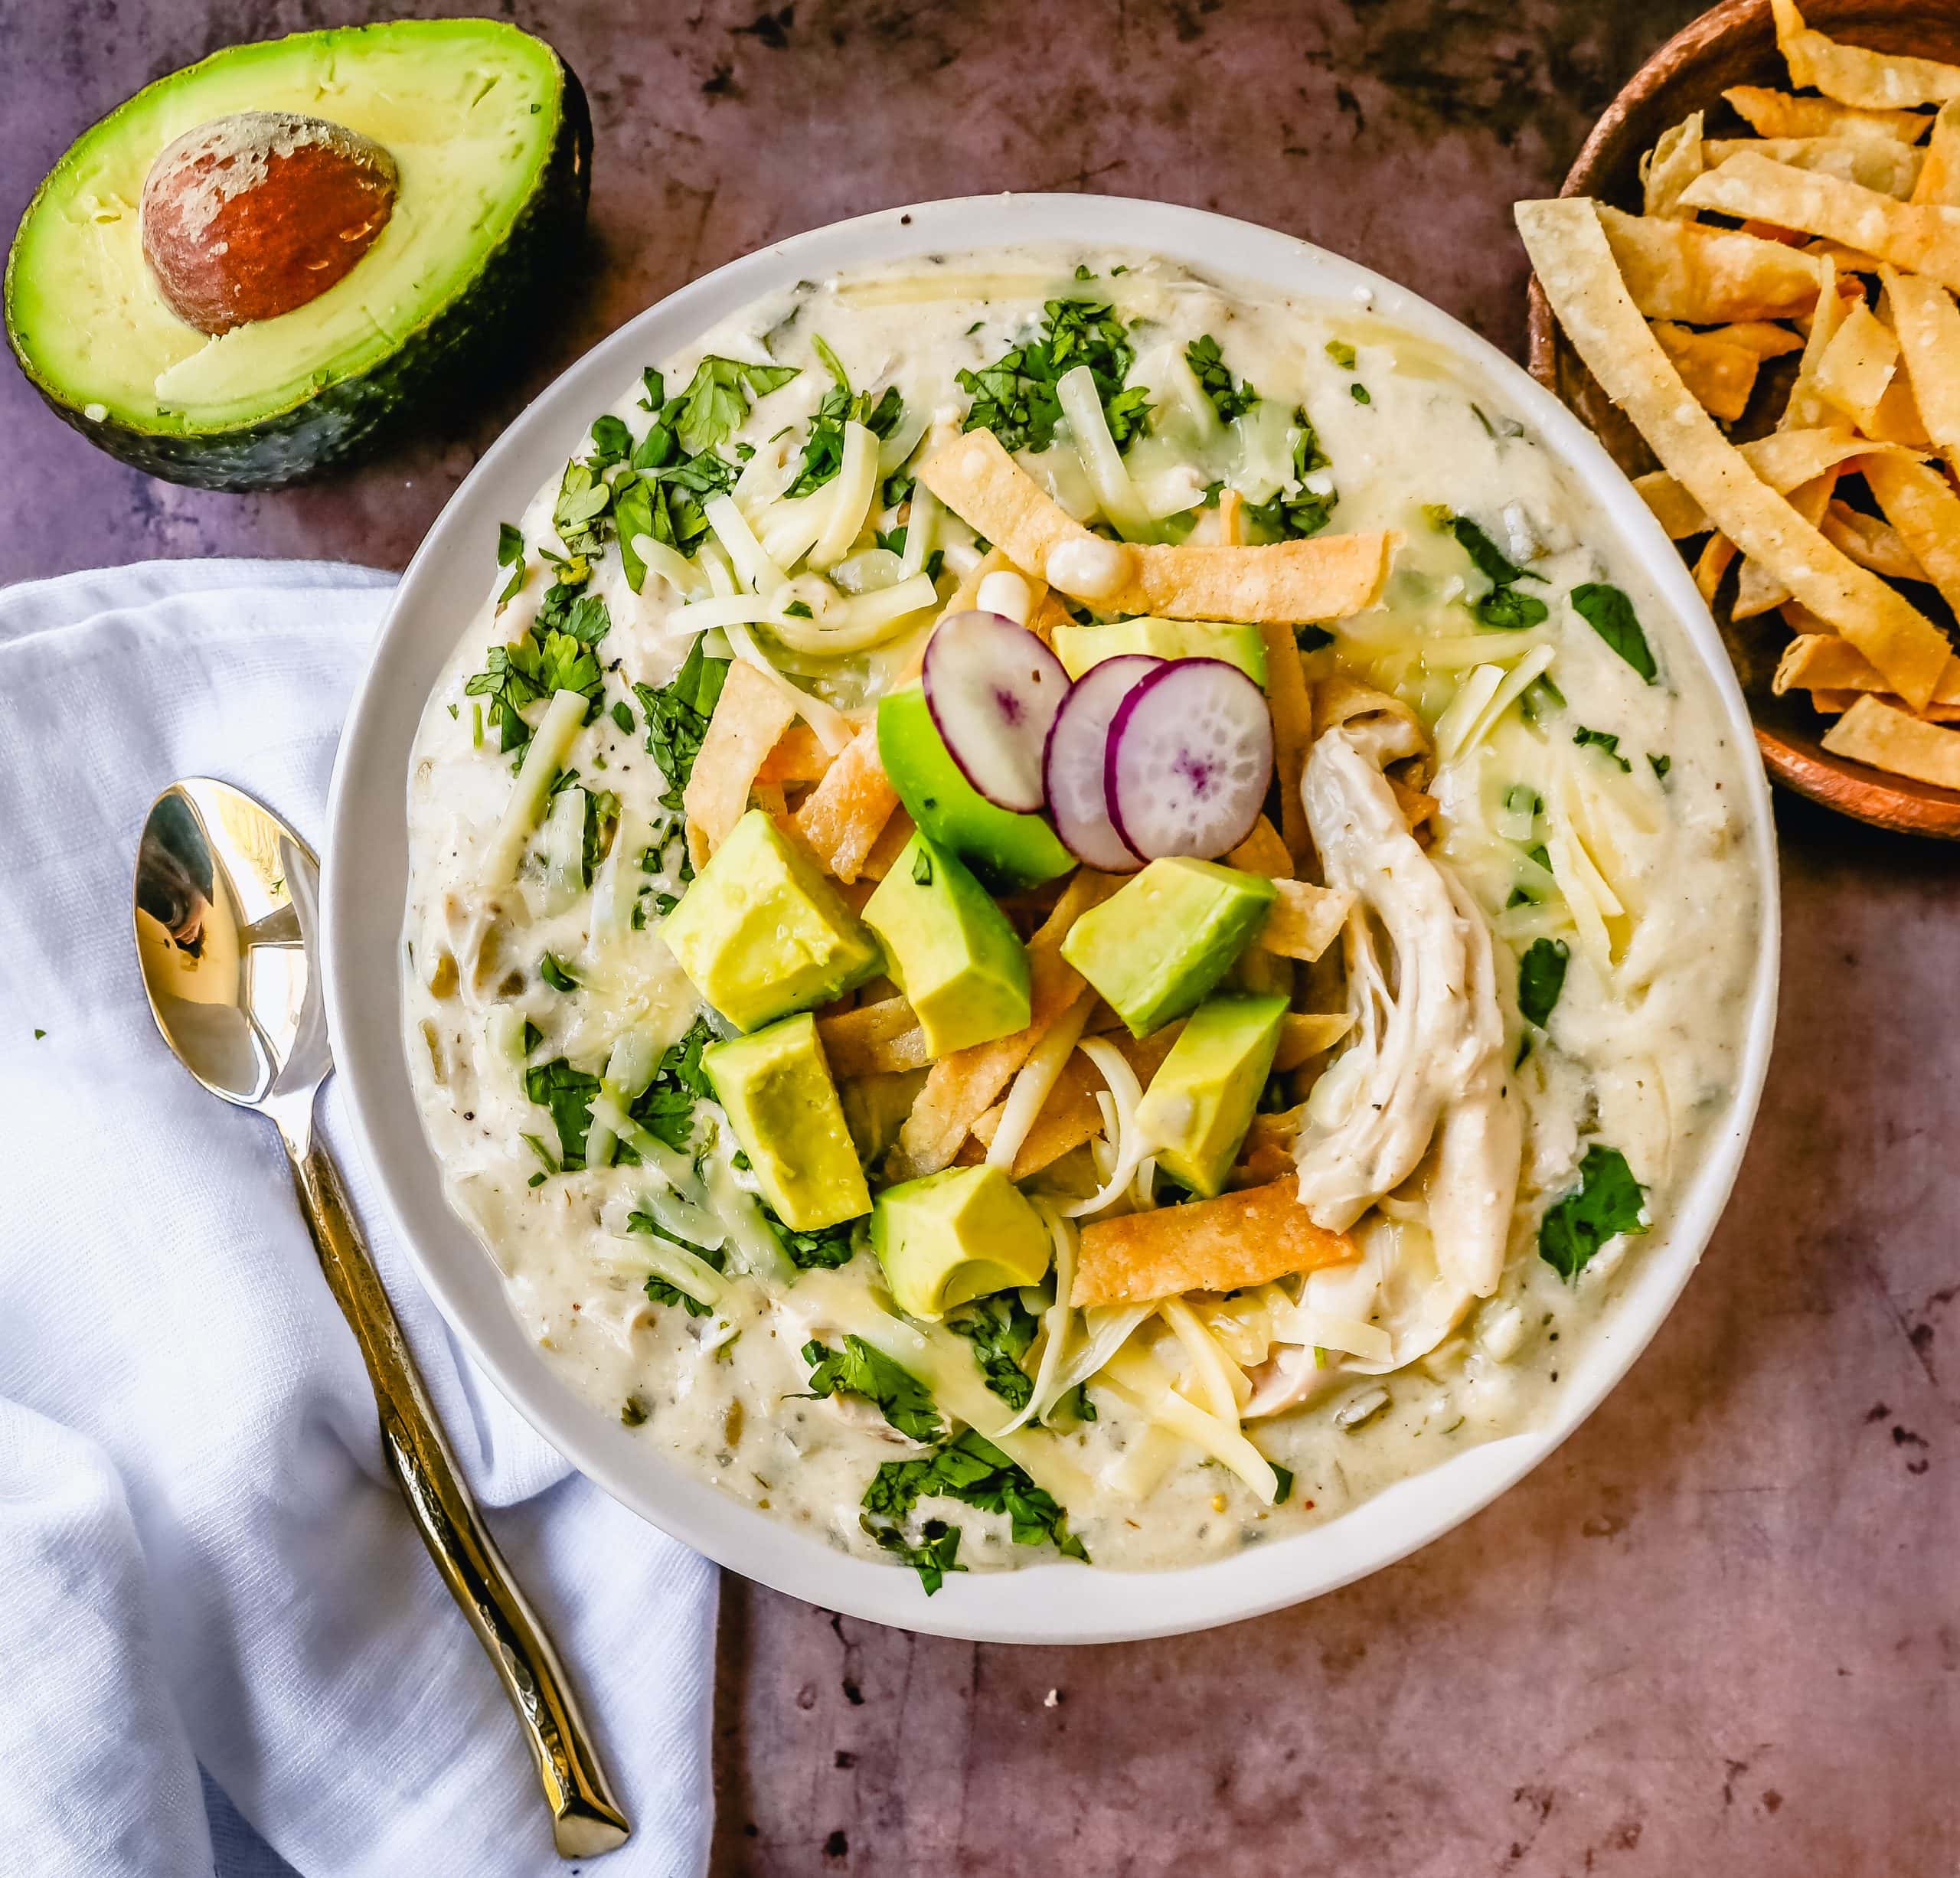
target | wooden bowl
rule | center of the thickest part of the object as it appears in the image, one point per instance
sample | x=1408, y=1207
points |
x=1734, y=44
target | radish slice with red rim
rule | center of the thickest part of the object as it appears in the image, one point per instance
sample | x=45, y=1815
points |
x=1189, y=760
x=993, y=689
x=1074, y=769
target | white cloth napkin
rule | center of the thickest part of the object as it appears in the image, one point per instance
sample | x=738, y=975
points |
x=203, y=1556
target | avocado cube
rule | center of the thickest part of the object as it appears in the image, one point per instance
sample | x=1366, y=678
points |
x=1163, y=940
x=783, y=1107
x=953, y=1237
x=952, y=952
x=1008, y=851
x=1080, y=647
x=1201, y=1101
x=761, y=932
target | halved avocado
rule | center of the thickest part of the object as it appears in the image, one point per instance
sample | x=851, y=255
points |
x=492, y=143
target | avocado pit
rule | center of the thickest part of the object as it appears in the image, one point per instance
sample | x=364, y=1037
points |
x=253, y=215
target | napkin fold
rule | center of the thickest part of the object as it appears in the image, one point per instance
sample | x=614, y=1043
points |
x=205, y=1559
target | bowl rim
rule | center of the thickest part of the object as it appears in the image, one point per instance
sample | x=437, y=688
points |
x=364, y=884
x=1851, y=788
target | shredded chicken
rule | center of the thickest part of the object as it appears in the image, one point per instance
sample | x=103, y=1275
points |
x=1427, y=1063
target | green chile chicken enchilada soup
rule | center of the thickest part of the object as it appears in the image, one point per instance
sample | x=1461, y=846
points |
x=1063, y=910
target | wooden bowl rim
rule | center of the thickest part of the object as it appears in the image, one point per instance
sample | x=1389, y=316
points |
x=1849, y=789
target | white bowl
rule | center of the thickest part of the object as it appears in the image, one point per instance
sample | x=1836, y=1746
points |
x=367, y=874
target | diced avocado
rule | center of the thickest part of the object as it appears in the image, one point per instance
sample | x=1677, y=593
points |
x=952, y=950
x=761, y=932
x=1158, y=944
x=783, y=1107
x=1201, y=1100
x=1006, y=851
x=1080, y=647
x=954, y=1237
x=490, y=136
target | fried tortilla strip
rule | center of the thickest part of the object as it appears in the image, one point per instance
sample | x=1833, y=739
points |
x=841, y=818
x=1784, y=460
x=1680, y=270
x=1266, y=1153
x=1667, y=169
x=1225, y=1244
x=750, y=716
x=874, y=1040
x=1938, y=185
x=1327, y=577
x=1574, y=262
x=1757, y=589
x=1822, y=662
x=886, y=850
x=1262, y=852
x=1304, y=1034
x=1721, y=376
x=1071, y=1115
x=1291, y=706
x=1777, y=114
x=1711, y=564
x=1928, y=324
x=1879, y=163
x=1887, y=739
x=1835, y=703
x=1305, y=920
x=963, y=1086
x=1804, y=409
x=1855, y=368
x=1922, y=239
x=1919, y=502
x=1888, y=81
x=798, y=757
x=1870, y=542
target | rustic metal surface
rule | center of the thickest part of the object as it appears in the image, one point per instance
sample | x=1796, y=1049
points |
x=1720, y=1628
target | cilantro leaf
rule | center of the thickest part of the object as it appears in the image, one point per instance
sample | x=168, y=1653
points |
x=1607, y=1202
x=676, y=718
x=969, y=1468
x=936, y=1553
x=716, y=402
x=1541, y=979
x=1208, y=366
x=1605, y=741
x=1610, y=614
x=1000, y=1328
x=555, y=975
x=822, y=1250
x=666, y=1106
x=510, y=553
x=584, y=496
x=567, y=1092
x=612, y=442
x=1015, y=397
x=1661, y=765
x=823, y=450
x=858, y=1369
x=1509, y=610
x=1290, y=518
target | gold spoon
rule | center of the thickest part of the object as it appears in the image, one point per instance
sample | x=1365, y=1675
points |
x=226, y=905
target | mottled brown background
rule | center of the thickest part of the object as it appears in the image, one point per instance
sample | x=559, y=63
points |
x=1720, y=1631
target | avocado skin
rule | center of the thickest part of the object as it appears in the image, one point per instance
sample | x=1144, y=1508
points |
x=342, y=420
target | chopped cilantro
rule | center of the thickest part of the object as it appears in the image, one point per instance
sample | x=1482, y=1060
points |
x=1341, y=353
x=633, y=1411
x=533, y=1036
x=1521, y=798
x=799, y=609
x=676, y=718
x=1311, y=638
x=555, y=654
x=665, y=1107
x=657, y=1289
x=1284, y=1475
x=1540, y=978
x=1604, y=741
x=1001, y=1329
x=1610, y=614
x=1540, y=696
x=555, y=975
x=969, y=1468
x=1359, y=392
x=1015, y=397
x=567, y=1092
x=612, y=442
x=936, y=1554
x=1661, y=765
x=823, y=449
x=1607, y=1202
x=1208, y=366
x=583, y=497
x=1082, y=271
x=823, y=1250
x=622, y=715
x=1291, y=518
x=858, y=1369
x=716, y=402
x=510, y=553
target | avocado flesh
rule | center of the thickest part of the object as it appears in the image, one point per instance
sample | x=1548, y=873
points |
x=761, y=932
x=1079, y=648
x=1008, y=851
x=491, y=138
x=1158, y=944
x=1202, y=1099
x=783, y=1107
x=952, y=952
x=954, y=1236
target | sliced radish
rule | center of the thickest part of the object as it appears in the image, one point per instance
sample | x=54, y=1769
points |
x=1189, y=760
x=1073, y=767
x=993, y=689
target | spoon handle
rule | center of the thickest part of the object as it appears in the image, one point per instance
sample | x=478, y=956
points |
x=585, y=1818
